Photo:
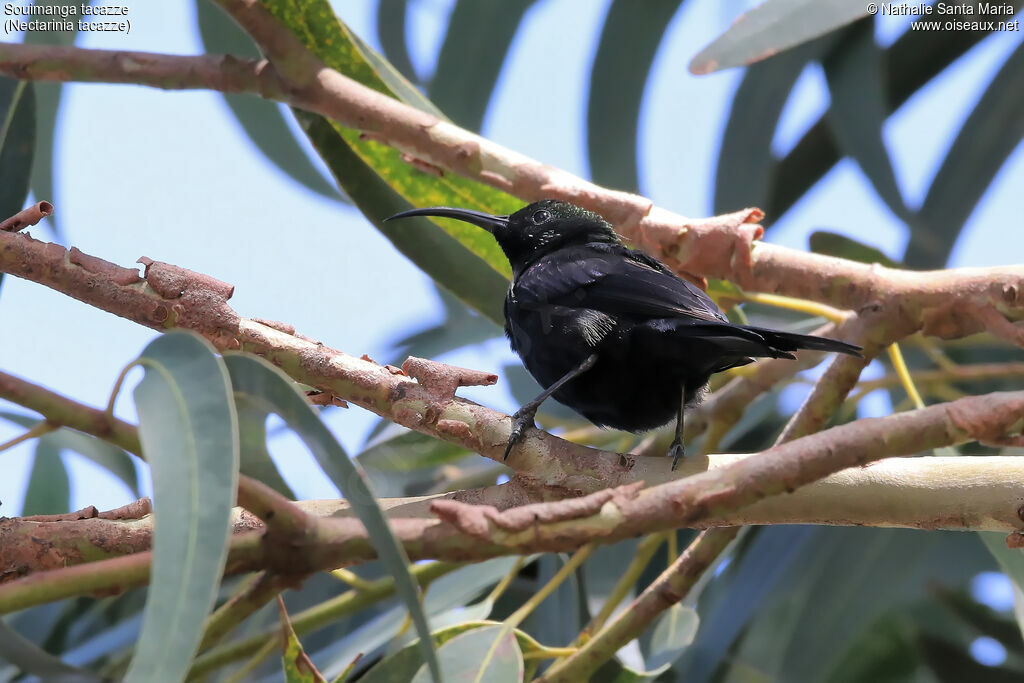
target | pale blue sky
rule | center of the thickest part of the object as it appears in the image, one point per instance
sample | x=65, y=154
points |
x=171, y=176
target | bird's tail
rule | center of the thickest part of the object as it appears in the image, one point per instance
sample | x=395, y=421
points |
x=786, y=342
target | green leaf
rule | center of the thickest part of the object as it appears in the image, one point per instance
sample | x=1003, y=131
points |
x=49, y=491
x=433, y=250
x=774, y=26
x=629, y=41
x=853, y=71
x=745, y=161
x=316, y=25
x=189, y=434
x=35, y=661
x=910, y=63
x=404, y=664
x=262, y=120
x=673, y=632
x=990, y=134
x=48, y=97
x=403, y=450
x=17, y=143
x=270, y=388
x=841, y=246
x=479, y=35
x=490, y=654
x=255, y=458
x=391, y=16
x=461, y=327
x=296, y=664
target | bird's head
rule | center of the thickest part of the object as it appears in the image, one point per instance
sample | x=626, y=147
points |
x=534, y=230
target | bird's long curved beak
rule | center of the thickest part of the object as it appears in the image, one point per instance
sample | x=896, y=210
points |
x=477, y=218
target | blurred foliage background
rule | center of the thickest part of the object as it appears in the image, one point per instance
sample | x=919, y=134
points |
x=811, y=126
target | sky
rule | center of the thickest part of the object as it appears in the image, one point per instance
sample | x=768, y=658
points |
x=169, y=175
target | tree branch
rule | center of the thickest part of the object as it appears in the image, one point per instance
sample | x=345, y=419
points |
x=943, y=303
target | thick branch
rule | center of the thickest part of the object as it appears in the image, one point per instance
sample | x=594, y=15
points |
x=964, y=494
x=944, y=303
x=464, y=532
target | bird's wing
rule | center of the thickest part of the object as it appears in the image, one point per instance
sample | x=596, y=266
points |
x=622, y=283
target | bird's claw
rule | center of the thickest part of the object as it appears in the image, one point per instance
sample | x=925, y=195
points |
x=521, y=421
x=677, y=451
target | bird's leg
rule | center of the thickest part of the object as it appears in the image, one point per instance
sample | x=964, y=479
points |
x=676, y=450
x=524, y=417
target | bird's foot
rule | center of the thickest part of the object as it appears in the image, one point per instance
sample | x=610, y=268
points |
x=522, y=420
x=677, y=451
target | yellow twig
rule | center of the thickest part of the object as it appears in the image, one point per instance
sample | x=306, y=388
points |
x=801, y=305
x=30, y=433
x=641, y=557
x=561, y=575
x=352, y=579
x=900, y=366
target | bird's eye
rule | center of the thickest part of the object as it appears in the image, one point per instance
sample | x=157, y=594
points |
x=541, y=216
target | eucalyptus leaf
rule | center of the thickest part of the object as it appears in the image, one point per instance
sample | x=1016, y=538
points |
x=189, y=434
x=255, y=460
x=17, y=143
x=853, y=71
x=48, y=98
x=315, y=23
x=625, y=53
x=268, y=387
x=490, y=654
x=774, y=26
x=745, y=161
x=992, y=131
x=49, y=490
x=262, y=120
x=909, y=64
x=841, y=246
x=475, y=47
x=391, y=16
x=34, y=661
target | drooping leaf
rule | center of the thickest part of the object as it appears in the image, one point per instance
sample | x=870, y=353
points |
x=296, y=663
x=479, y=35
x=35, y=661
x=911, y=62
x=625, y=52
x=489, y=653
x=391, y=16
x=48, y=97
x=841, y=246
x=262, y=120
x=189, y=433
x=745, y=161
x=992, y=131
x=427, y=245
x=853, y=71
x=268, y=387
x=852, y=577
x=255, y=460
x=673, y=632
x=774, y=26
x=316, y=25
x=17, y=143
x=404, y=664
x=404, y=450
x=49, y=490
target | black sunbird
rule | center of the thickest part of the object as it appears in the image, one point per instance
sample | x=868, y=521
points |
x=610, y=331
